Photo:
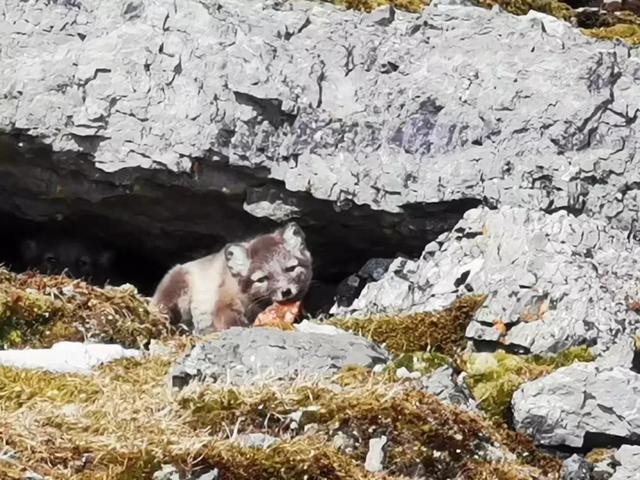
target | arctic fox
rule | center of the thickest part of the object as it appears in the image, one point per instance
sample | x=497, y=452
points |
x=230, y=287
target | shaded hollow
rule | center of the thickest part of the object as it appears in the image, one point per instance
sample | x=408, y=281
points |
x=153, y=218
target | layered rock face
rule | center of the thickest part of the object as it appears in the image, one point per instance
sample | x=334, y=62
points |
x=553, y=280
x=187, y=125
x=182, y=125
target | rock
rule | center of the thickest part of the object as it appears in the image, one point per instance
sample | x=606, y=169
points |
x=602, y=470
x=445, y=384
x=372, y=271
x=628, y=457
x=256, y=440
x=169, y=472
x=383, y=16
x=305, y=326
x=548, y=277
x=66, y=357
x=374, y=461
x=580, y=406
x=575, y=468
x=620, y=354
x=307, y=111
x=302, y=418
x=246, y=355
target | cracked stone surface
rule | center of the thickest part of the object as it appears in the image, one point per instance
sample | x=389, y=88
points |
x=580, y=406
x=380, y=109
x=243, y=356
x=449, y=387
x=553, y=281
x=628, y=457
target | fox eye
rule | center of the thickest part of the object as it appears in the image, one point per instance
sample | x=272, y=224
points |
x=51, y=259
x=290, y=268
x=262, y=279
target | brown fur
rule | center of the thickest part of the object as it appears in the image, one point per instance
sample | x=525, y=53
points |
x=229, y=288
x=170, y=292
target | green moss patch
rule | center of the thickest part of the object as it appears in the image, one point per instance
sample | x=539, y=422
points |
x=420, y=429
x=39, y=310
x=493, y=378
x=441, y=332
x=124, y=421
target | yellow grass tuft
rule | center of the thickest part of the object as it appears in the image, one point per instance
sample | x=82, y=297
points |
x=40, y=310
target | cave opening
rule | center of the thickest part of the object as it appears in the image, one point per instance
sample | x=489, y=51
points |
x=149, y=219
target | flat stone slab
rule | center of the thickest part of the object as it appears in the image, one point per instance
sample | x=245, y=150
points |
x=580, y=406
x=245, y=355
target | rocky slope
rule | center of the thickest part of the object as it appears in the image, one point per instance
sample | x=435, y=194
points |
x=497, y=152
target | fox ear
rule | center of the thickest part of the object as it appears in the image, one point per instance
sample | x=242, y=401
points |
x=237, y=258
x=293, y=237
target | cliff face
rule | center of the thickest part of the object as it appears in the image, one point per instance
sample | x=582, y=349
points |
x=179, y=124
x=498, y=152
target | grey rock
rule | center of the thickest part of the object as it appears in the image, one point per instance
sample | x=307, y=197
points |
x=256, y=440
x=445, y=384
x=554, y=280
x=374, y=461
x=170, y=472
x=383, y=16
x=302, y=418
x=603, y=470
x=167, y=472
x=89, y=80
x=628, y=456
x=244, y=355
x=620, y=354
x=576, y=406
x=212, y=475
x=372, y=271
x=575, y=468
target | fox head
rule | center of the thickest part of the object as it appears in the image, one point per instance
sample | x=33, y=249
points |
x=274, y=267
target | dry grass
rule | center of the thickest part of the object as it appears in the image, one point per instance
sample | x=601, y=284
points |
x=39, y=310
x=125, y=421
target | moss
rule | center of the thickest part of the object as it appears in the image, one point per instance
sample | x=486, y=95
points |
x=630, y=33
x=598, y=455
x=441, y=332
x=522, y=7
x=422, y=362
x=420, y=429
x=414, y=6
x=493, y=378
x=127, y=420
x=39, y=310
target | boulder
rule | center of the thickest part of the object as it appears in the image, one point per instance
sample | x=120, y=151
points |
x=552, y=281
x=575, y=468
x=580, y=406
x=247, y=355
x=628, y=457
